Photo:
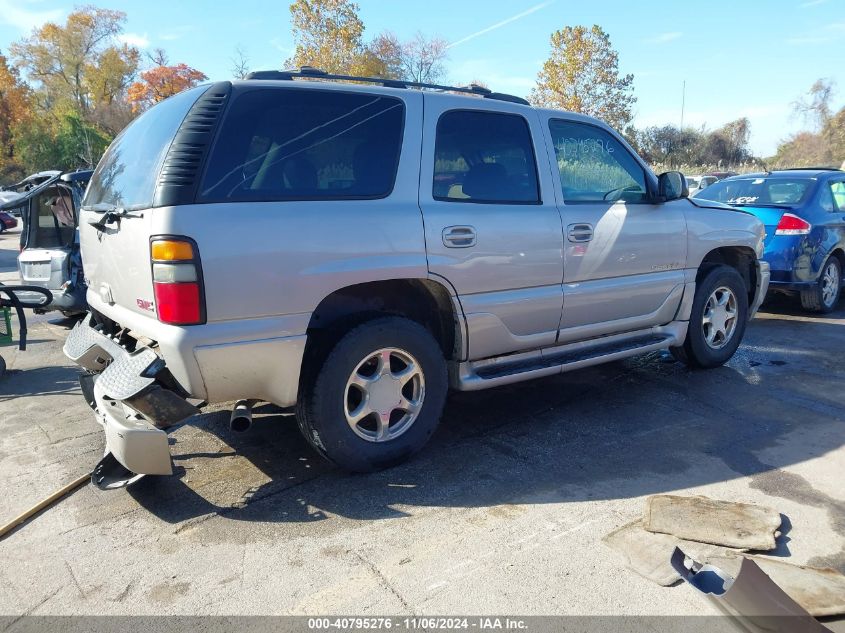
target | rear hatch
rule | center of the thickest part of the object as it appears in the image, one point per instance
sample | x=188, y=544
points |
x=117, y=219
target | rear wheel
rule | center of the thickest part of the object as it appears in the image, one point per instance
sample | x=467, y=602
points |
x=824, y=295
x=717, y=321
x=378, y=396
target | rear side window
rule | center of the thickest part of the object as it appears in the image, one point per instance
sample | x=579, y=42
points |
x=837, y=189
x=295, y=144
x=126, y=174
x=484, y=157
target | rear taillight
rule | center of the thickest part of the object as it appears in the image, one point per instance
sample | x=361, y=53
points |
x=177, y=281
x=792, y=225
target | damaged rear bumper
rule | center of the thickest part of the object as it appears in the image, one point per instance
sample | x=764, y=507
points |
x=129, y=402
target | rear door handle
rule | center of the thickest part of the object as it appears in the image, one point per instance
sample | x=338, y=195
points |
x=579, y=232
x=459, y=236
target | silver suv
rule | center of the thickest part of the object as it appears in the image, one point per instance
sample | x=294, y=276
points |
x=356, y=250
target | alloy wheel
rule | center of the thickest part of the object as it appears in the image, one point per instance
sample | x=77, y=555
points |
x=830, y=284
x=720, y=317
x=384, y=395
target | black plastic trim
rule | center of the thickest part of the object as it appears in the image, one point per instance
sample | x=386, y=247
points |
x=180, y=174
x=309, y=72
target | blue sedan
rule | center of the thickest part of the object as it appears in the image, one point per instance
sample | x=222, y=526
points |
x=804, y=214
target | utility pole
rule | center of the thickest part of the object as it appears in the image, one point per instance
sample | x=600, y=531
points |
x=683, y=102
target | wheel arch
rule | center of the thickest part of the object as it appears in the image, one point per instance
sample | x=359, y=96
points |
x=425, y=301
x=743, y=259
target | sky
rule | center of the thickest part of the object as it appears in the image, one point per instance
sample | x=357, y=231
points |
x=749, y=58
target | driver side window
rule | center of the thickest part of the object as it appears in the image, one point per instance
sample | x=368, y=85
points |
x=594, y=166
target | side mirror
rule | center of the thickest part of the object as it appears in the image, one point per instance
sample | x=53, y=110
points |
x=671, y=185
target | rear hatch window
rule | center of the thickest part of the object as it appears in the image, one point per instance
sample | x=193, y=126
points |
x=759, y=192
x=305, y=144
x=126, y=175
x=54, y=218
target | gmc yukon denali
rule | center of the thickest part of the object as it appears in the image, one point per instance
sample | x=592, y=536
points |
x=356, y=250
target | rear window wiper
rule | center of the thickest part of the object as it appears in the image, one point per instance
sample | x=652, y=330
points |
x=111, y=214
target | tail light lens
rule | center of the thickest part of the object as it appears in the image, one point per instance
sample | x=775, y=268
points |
x=792, y=225
x=177, y=281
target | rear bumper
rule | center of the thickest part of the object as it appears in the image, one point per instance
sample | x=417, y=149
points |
x=63, y=300
x=763, y=280
x=258, y=358
x=128, y=401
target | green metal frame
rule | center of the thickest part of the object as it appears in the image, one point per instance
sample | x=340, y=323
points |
x=6, y=334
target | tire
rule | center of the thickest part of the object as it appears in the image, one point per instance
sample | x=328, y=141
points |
x=712, y=344
x=332, y=394
x=823, y=296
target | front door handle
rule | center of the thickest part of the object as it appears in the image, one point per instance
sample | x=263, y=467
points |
x=459, y=236
x=579, y=232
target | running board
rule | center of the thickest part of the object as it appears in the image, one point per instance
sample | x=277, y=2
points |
x=504, y=370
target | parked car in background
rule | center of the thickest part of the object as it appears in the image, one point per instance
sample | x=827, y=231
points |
x=721, y=175
x=50, y=255
x=19, y=189
x=7, y=222
x=8, y=196
x=697, y=183
x=390, y=243
x=804, y=214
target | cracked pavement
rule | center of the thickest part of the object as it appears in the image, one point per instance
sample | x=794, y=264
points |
x=503, y=512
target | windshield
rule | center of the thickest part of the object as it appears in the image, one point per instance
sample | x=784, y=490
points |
x=758, y=192
x=126, y=175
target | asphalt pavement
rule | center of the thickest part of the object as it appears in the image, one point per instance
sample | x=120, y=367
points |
x=503, y=512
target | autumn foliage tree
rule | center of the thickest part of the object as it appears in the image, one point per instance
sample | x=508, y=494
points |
x=15, y=110
x=329, y=34
x=582, y=75
x=161, y=82
x=65, y=91
x=80, y=63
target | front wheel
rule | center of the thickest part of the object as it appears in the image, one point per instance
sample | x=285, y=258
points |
x=824, y=295
x=377, y=398
x=718, y=319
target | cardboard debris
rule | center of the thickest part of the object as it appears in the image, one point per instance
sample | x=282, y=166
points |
x=648, y=553
x=696, y=518
x=752, y=598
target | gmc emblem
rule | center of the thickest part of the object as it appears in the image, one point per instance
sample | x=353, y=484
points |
x=145, y=305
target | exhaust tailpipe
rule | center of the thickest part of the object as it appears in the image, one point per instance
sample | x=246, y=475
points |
x=241, y=418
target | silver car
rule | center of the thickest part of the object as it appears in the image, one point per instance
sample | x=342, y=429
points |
x=356, y=250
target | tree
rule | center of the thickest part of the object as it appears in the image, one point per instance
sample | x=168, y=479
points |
x=15, y=110
x=78, y=62
x=815, y=105
x=825, y=143
x=582, y=75
x=240, y=63
x=161, y=82
x=327, y=34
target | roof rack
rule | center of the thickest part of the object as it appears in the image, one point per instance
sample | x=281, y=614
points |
x=309, y=72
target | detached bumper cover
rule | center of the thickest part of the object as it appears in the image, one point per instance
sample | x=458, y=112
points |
x=128, y=402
